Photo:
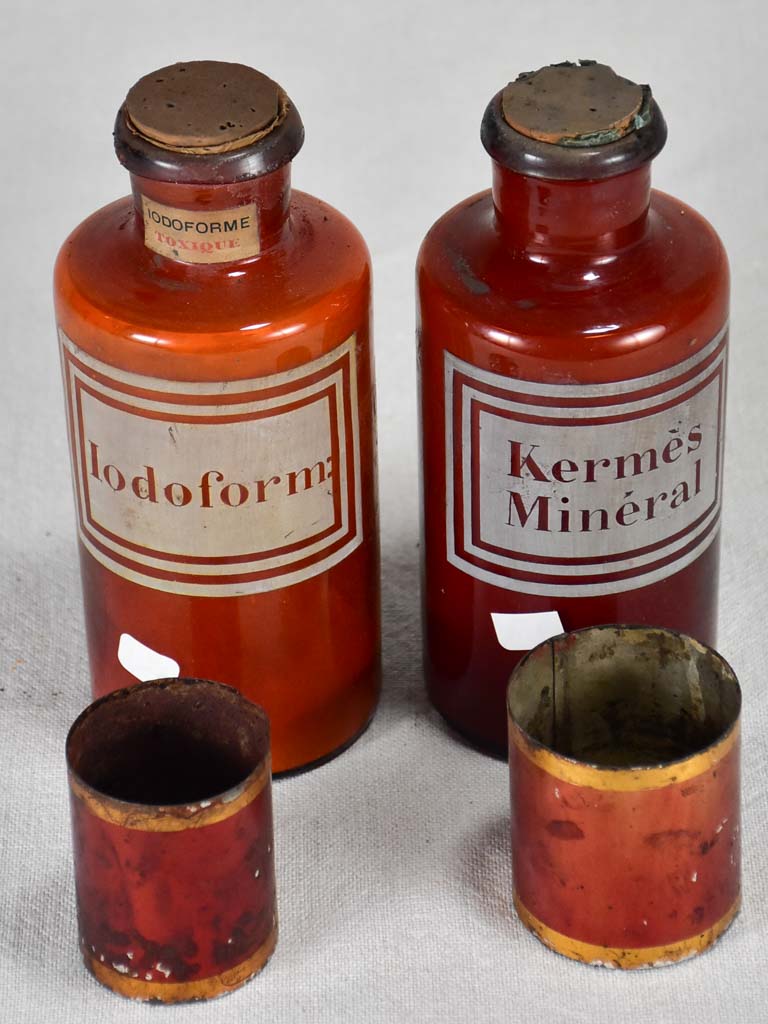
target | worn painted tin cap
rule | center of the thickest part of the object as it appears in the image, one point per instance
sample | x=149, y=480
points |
x=206, y=121
x=577, y=121
x=170, y=790
x=624, y=772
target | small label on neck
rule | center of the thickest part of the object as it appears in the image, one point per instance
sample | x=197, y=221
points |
x=201, y=236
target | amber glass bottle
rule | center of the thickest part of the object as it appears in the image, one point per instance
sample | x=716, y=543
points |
x=572, y=341
x=215, y=338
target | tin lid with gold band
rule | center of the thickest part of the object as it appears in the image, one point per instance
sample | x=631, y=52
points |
x=206, y=121
x=169, y=755
x=624, y=708
x=573, y=121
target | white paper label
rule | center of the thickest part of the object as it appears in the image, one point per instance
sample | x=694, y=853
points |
x=521, y=631
x=143, y=662
x=580, y=490
x=216, y=489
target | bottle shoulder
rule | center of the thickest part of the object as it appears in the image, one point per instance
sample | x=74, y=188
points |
x=108, y=284
x=668, y=289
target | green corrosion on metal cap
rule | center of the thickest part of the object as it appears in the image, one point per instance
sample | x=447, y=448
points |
x=581, y=104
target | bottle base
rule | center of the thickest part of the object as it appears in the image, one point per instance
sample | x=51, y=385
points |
x=467, y=739
x=302, y=769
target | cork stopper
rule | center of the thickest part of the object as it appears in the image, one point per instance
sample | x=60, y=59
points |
x=574, y=104
x=573, y=122
x=204, y=106
x=206, y=122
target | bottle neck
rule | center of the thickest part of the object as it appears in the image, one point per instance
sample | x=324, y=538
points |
x=213, y=223
x=543, y=217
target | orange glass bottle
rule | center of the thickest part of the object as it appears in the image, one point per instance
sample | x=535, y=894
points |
x=572, y=345
x=215, y=339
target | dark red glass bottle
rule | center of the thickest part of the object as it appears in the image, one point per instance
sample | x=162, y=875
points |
x=572, y=346
x=215, y=337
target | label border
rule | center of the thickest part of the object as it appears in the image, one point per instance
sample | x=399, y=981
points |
x=332, y=378
x=527, y=401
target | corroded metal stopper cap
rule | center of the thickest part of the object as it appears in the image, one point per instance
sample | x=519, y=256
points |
x=624, y=772
x=573, y=121
x=170, y=793
x=206, y=121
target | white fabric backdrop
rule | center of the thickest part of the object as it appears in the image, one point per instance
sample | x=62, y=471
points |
x=393, y=860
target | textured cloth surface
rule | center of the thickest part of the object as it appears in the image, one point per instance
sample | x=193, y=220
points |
x=393, y=872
